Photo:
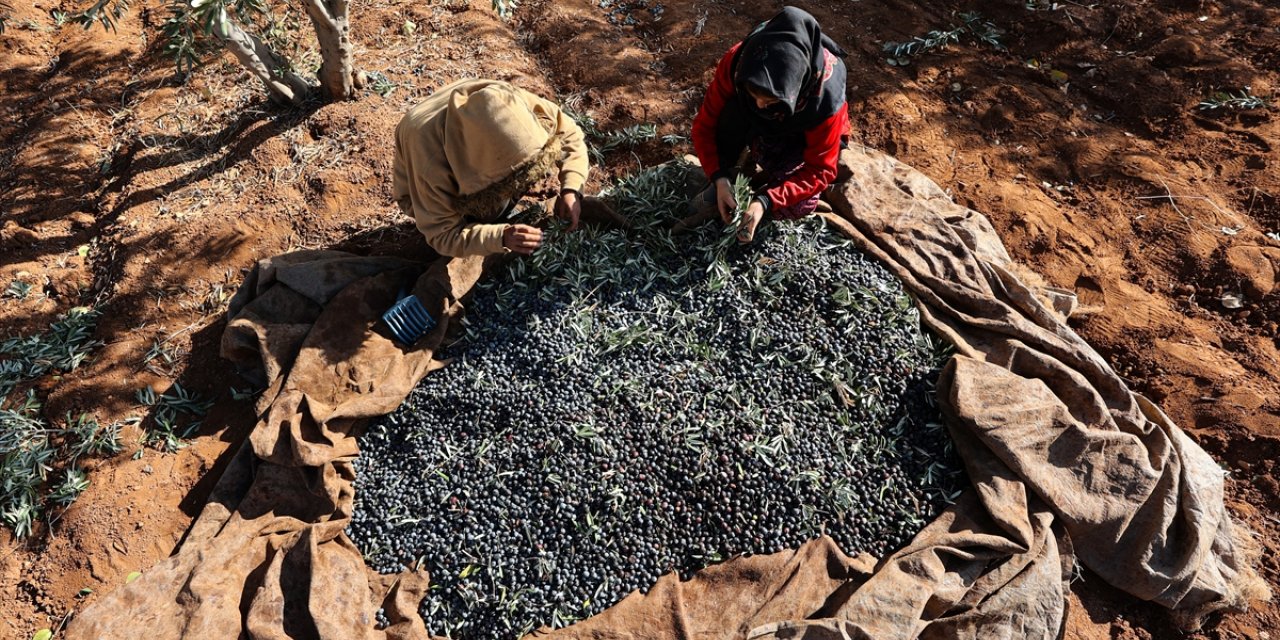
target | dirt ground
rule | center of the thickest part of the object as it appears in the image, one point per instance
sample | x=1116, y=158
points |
x=149, y=198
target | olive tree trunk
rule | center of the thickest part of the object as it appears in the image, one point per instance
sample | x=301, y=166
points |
x=333, y=31
x=283, y=86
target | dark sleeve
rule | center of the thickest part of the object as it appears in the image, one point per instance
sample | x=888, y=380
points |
x=822, y=150
x=719, y=92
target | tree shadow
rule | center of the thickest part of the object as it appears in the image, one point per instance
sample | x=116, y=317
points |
x=50, y=166
x=66, y=160
x=248, y=131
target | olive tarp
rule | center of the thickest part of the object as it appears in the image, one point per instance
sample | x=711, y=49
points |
x=1066, y=464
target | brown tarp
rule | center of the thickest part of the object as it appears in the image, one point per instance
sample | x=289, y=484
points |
x=1057, y=448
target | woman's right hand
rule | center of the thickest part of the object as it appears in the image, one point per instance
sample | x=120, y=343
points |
x=725, y=202
x=521, y=238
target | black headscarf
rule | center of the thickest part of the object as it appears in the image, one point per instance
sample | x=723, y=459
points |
x=785, y=58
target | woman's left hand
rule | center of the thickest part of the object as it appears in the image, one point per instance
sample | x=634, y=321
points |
x=569, y=208
x=750, y=220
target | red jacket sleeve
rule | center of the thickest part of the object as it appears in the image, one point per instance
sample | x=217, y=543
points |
x=822, y=150
x=704, y=124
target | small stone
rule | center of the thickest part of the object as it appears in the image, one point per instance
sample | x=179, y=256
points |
x=998, y=118
x=81, y=220
x=1255, y=267
x=16, y=235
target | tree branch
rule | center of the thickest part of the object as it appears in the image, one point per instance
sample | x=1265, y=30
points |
x=318, y=6
x=255, y=55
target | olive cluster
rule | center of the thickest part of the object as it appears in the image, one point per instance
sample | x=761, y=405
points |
x=626, y=405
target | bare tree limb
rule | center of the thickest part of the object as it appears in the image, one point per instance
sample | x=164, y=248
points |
x=317, y=7
x=282, y=85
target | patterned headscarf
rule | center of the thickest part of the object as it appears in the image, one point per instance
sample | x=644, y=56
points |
x=790, y=58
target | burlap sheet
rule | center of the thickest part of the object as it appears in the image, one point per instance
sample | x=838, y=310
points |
x=1058, y=450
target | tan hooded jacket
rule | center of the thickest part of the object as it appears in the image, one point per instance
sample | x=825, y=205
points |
x=466, y=151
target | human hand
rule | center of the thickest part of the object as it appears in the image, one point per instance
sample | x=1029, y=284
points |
x=521, y=238
x=726, y=203
x=750, y=219
x=569, y=208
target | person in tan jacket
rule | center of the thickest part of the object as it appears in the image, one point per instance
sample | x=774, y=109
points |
x=466, y=153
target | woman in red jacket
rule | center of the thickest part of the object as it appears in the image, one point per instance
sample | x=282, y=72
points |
x=780, y=92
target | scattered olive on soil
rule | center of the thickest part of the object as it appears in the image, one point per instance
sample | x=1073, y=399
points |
x=626, y=404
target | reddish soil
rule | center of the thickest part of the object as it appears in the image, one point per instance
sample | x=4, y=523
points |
x=1080, y=139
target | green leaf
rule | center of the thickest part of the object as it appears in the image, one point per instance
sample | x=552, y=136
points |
x=43, y=634
x=85, y=591
x=83, y=250
x=132, y=576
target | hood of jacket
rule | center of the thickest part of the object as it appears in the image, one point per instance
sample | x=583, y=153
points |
x=495, y=145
